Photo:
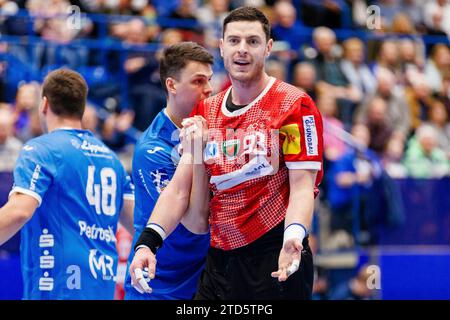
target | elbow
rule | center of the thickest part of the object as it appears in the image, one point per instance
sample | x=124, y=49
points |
x=22, y=216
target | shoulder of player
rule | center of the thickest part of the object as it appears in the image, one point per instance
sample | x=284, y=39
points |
x=153, y=149
x=292, y=96
x=40, y=145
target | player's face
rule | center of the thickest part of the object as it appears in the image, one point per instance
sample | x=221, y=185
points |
x=244, y=49
x=193, y=84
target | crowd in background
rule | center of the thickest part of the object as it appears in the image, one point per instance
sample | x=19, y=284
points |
x=383, y=91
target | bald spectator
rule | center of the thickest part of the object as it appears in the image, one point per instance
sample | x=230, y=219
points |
x=424, y=158
x=9, y=145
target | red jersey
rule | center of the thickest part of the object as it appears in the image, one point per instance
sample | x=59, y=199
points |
x=248, y=155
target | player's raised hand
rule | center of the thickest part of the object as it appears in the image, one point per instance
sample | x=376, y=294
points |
x=289, y=259
x=193, y=137
x=142, y=269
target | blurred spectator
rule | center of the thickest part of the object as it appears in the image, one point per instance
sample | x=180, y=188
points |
x=56, y=30
x=437, y=64
x=376, y=119
x=355, y=68
x=413, y=10
x=9, y=145
x=356, y=288
x=439, y=119
x=354, y=170
x=388, y=58
x=393, y=158
x=330, y=77
x=26, y=105
x=304, y=78
x=210, y=17
x=411, y=59
x=110, y=128
x=146, y=96
x=388, y=10
x=186, y=11
x=437, y=17
x=424, y=158
x=419, y=99
x=397, y=113
x=277, y=69
x=287, y=28
x=90, y=120
x=323, y=13
x=402, y=24
x=333, y=144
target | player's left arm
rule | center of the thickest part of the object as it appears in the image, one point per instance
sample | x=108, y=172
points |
x=15, y=213
x=302, y=150
x=298, y=220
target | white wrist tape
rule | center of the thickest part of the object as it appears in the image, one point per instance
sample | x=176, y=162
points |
x=158, y=229
x=294, y=231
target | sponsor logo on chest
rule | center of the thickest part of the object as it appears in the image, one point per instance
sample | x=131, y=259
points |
x=231, y=147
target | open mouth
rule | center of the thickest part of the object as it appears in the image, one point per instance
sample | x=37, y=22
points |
x=242, y=63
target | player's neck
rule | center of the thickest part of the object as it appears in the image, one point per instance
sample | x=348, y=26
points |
x=64, y=123
x=174, y=116
x=243, y=93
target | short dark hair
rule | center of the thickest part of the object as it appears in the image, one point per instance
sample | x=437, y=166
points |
x=248, y=14
x=66, y=92
x=177, y=56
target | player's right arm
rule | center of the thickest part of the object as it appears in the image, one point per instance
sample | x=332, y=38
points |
x=33, y=174
x=167, y=213
x=183, y=198
x=15, y=213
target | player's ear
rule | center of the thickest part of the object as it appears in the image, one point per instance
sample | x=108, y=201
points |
x=221, y=47
x=170, y=85
x=44, y=105
x=269, y=47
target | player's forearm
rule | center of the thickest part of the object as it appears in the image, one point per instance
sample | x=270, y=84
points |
x=196, y=216
x=174, y=200
x=301, y=207
x=301, y=198
x=11, y=221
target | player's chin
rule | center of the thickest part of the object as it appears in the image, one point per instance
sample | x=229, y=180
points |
x=241, y=76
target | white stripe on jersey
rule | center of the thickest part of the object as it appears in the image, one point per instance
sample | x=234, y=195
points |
x=27, y=192
x=305, y=165
x=256, y=168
